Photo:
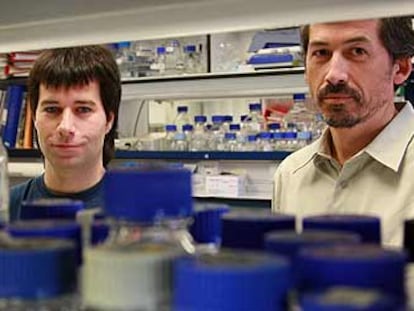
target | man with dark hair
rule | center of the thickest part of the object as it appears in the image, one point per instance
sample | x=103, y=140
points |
x=74, y=95
x=364, y=161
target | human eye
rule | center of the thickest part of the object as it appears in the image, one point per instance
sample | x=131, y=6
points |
x=51, y=109
x=320, y=53
x=358, y=52
x=83, y=109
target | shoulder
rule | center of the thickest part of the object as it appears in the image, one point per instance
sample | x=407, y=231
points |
x=298, y=158
x=19, y=193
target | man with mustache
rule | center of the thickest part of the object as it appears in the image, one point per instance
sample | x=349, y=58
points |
x=74, y=95
x=364, y=161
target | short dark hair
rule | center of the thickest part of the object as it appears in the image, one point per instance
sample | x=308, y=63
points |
x=396, y=34
x=77, y=66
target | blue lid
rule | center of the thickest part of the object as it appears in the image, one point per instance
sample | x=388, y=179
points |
x=146, y=195
x=99, y=232
x=36, y=268
x=255, y=106
x=265, y=135
x=273, y=126
x=217, y=119
x=200, y=119
x=243, y=117
x=206, y=226
x=187, y=128
x=124, y=44
x=189, y=48
x=58, y=208
x=304, y=135
x=278, y=135
x=69, y=230
x=348, y=299
x=228, y=118
x=361, y=265
x=368, y=227
x=251, y=138
x=299, y=97
x=288, y=242
x=230, y=136
x=290, y=135
x=231, y=281
x=246, y=228
x=182, y=109
x=161, y=50
x=171, y=128
x=234, y=127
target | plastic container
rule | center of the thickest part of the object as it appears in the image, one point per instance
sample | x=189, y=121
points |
x=231, y=281
x=246, y=228
x=37, y=274
x=368, y=227
x=149, y=217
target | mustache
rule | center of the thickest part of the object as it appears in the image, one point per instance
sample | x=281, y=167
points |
x=339, y=89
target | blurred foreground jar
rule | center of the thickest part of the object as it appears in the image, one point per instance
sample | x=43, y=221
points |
x=149, y=210
x=37, y=275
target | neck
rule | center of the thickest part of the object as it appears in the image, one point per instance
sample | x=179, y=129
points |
x=346, y=142
x=72, y=180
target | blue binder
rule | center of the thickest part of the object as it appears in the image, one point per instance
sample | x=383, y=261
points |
x=13, y=105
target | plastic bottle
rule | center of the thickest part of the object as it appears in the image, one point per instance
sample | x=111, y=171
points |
x=255, y=121
x=125, y=59
x=132, y=270
x=200, y=137
x=37, y=274
x=182, y=117
x=4, y=185
x=170, y=131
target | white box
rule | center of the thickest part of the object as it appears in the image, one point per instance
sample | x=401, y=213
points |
x=225, y=185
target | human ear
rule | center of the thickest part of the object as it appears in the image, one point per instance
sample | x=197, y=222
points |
x=402, y=69
x=109, y=122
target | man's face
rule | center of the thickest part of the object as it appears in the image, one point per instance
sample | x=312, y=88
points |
x=71, y=125
x=349, y=72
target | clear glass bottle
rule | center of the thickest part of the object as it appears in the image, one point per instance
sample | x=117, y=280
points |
x=188, y=132
x=158, y=66
x=182, y=117
x=250, y=144
x=192, y=61
x=255, y=121
x=180, y=142
x=4, y=185
x=264, y=142
x=200, y=137
x=217, y=133
x=126, y=59
x=231, y=143
x=170, y=131
x=132, y=270
x=174, y=63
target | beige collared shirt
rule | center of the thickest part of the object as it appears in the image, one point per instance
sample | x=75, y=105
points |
x=379, y=180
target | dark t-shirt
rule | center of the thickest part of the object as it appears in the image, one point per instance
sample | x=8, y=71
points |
x=35, y=188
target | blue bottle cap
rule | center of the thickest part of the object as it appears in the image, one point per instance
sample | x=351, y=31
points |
x=265, y=135
x=304, y=135
x=368, y=227
x=290, y=135
x=360, y=265
x=217, y=119
x=147, y=195
x=171, y=128
x=206, y=226
x=200, y=119
x=182, y=109
x=189, y=48
x=243, y=118
x=161, y=50
x=228, y=118
x=273, y=126
x=288, y=243
x=299, y=97
x=246, y=228
x=36, y=268
x=187, y=128
x=231, y=281
x=99, y=232
x=230, y=136
x=234, y=127
x=251, y=138
x=255, y=106
x=50, y=209
x=343, y=298
x=278, y=135
x=60, y=229
x=124, y=44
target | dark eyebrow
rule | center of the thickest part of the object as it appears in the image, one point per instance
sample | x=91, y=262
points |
x=85, y=102
x=48, y=102
x=321, y=43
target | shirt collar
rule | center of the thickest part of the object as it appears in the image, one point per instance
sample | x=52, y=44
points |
x=390, y=145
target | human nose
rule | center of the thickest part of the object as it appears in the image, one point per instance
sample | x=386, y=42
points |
x=337, y=70
x=66, y=126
